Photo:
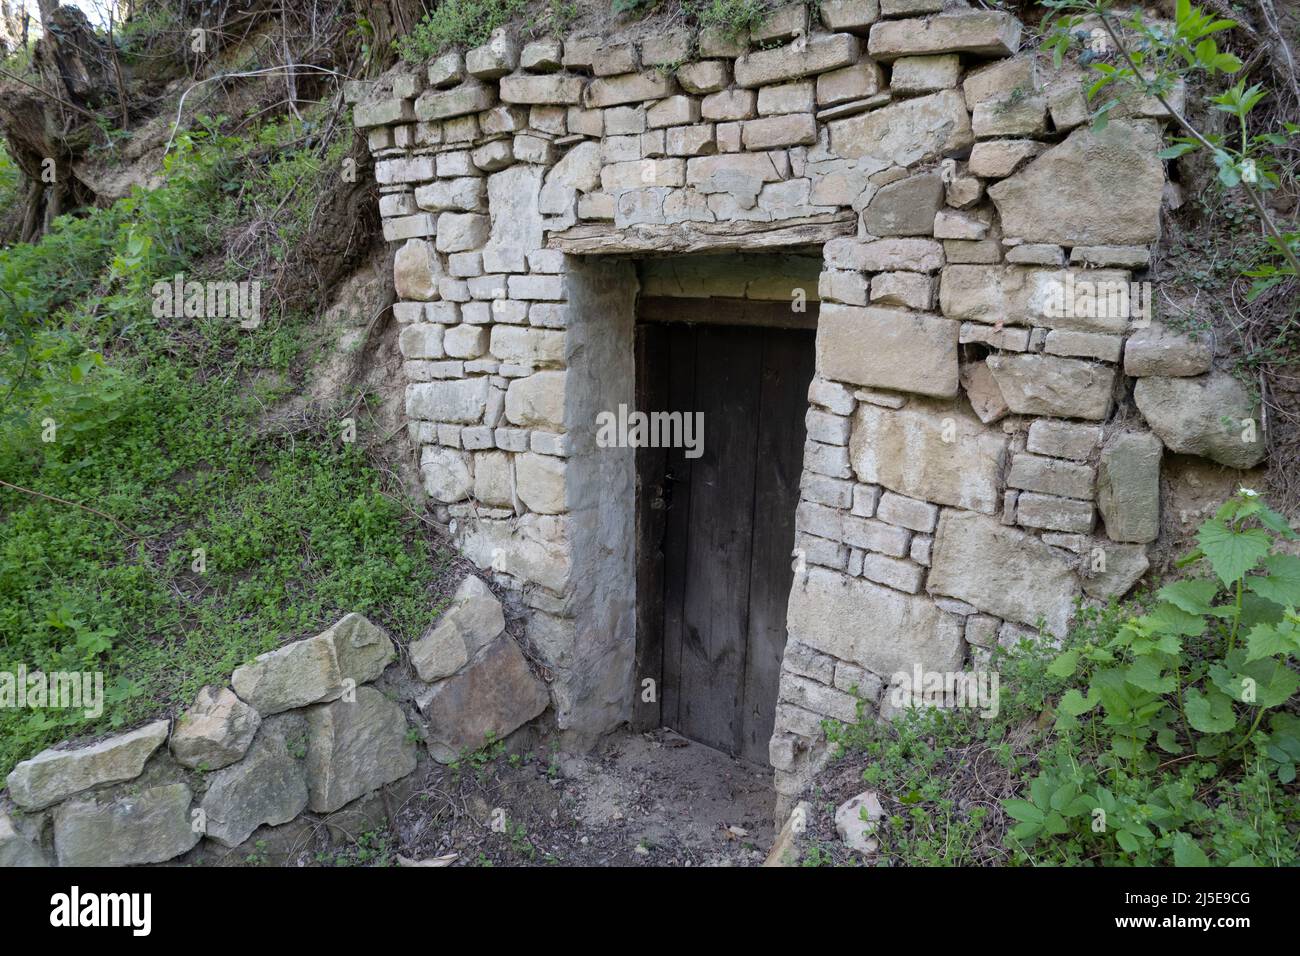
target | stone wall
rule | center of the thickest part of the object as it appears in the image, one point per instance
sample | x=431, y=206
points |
x=301, y=742
x=974, y=461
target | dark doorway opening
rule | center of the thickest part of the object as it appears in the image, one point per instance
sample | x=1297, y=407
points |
x=715, y=532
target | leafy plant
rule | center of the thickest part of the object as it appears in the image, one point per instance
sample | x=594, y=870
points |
x=1152, y=64
x=1188, y=683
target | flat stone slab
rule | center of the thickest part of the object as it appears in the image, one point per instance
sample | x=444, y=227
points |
x=487, y=700
x=151, y=826
x=55, y=775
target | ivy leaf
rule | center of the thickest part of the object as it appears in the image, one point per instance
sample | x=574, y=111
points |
x=1210, y=713
x=1194, y=596
x=1232, y=553
x=1281, y=584
x=1187, y=853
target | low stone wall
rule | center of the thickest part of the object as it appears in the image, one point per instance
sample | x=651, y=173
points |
x=307, y=732
x=982, y=324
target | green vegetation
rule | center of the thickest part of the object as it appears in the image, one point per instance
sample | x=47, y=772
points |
x=732, y=17
x=1151, y=60
x=170, y=529
x=468, y=23
x=1174, y=738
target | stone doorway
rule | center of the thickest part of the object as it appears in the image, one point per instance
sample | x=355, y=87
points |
x=715, y=509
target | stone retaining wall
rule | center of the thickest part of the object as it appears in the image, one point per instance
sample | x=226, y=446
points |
x=303, y=740
x=966, y=472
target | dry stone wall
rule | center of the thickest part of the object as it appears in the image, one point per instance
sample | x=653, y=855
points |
x=304, y=739
x=967, y=473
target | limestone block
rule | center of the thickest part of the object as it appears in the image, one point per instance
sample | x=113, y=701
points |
x=906, y=207
x=982, y=392
x=1000, y=80
x=849, y=83
x=215, y=732
x=1212, y=416
x=771, y=132
x=470, y=97
x=888, y=348
x=462, y=231
x=474, y=620
x=872, y=626
x=987, y=33
x=54, y=775
x=628, y=88
x=1063, y=439
x=542, y=56
x=494, y=59
x=461, y=401
x=1053, y=513
x=268, y=787
x=1093, y=188
x=555, y=90
x=819, y=54
x=1128, y=487
x=996, y=159
x=1158, y=350
x=487, y=700
x=1002, y=571
x=884, y=255
x=537, y=401
x=912, y=290
x=1047, y=385
x=150, y=826
x=416, y=270
x=354, y=747
x=704, y=76
x=852, y=16
x=445, y=474
x=925, y=74
x=930, y=450
x=906, y=132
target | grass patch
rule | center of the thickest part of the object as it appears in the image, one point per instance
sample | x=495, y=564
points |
x=161, y=424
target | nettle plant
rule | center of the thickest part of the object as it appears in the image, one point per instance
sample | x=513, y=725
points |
x=1188, y=698
x=1129, y=55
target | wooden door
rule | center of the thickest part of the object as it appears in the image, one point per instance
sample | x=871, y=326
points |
x=716, y=531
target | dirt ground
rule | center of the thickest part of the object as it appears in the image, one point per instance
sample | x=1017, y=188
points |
x=653, y=799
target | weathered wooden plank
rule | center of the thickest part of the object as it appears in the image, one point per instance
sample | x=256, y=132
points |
x=677, y=358
x=604, y=238
x=716, y=605
x=732, y=312
x=651, y=391
x=770, y=276
x=787, y=368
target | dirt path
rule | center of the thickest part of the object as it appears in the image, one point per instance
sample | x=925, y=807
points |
x=651, y=799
